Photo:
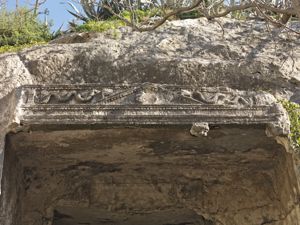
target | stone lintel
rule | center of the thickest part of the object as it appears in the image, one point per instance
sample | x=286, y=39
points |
x=147, y=104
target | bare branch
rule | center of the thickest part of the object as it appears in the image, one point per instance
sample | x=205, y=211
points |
x=249, y=5
x=158, y=23
x=209, y=9
x=127, y=22
x=37, y=5
x=276, y=22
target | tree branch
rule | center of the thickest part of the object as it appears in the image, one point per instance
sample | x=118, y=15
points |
x=252, y=5
x=158, y=23
x=276, y=22
x=210, y=13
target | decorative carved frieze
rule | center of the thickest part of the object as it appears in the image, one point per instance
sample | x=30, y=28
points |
x=146, y=104
x=144, y=94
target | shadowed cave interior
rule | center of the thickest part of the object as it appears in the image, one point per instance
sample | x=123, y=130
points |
x=147, y=175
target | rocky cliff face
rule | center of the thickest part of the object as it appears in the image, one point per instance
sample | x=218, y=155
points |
x=235, y=54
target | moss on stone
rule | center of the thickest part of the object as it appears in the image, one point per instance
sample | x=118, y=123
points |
x=16, y=48
x=100, y=26
x=293, y=110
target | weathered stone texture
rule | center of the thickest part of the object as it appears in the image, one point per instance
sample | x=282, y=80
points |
x=235, y=176
x=147, y=156
x=191, y=52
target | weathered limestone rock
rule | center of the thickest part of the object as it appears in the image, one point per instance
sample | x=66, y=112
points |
x=141, y=130
x=189, y=52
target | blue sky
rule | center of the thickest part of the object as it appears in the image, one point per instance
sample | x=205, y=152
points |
x=57, y=11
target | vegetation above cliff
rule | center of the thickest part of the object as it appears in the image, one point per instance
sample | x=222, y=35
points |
x=293, y=110
x=20, y=29
x=99, y=26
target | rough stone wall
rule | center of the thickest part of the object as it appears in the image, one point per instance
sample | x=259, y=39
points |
x=234, y=176
x=11, y=189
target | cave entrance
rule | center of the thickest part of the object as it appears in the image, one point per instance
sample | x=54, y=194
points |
x=94, y=216
x=146, y=175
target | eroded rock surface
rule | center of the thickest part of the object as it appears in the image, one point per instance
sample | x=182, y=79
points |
x=191, y=52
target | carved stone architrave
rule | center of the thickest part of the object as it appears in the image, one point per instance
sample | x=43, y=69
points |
x=147, y=104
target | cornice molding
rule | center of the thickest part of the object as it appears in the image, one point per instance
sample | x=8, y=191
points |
x=147, y=104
